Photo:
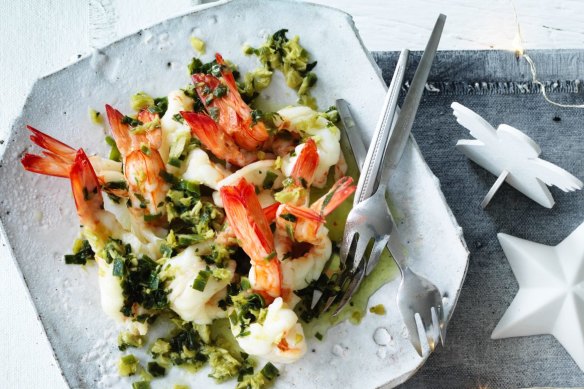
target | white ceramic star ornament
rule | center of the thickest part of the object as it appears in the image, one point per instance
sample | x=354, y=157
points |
x=551, y=291
x=513, y=157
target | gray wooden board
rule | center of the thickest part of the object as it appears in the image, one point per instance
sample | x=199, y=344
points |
x=497, y=86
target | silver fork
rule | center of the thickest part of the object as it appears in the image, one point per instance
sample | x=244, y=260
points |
x=371, y=220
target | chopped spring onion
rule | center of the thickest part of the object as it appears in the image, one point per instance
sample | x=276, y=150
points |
x=128, y=365
x=118, y=269
x=114, y=154
x=245, y=284
x=201, y=280
x=270, y=371
x=156, y=370
x=81, y=253
x=141, y=385
x=269, y=180
x=141, y=100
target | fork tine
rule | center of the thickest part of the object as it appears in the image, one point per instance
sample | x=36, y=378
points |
x=360, y=248
x=346, y=246
x=412, y=327
x=356, y=279
x=436, y=324
x=376, y=252
x=429, y=329
x=441, y=324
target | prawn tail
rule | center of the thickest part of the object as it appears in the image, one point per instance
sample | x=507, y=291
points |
x=51, y=144
x=339, y=192
x=206, y=130
x=215, y=140
x=247, y=219
x=270, y=212
x=154, y=136
x=145, y=116
x=56, y=160
x=205, y=84
x=86, y=187
x=306, y=163
x=258, y=132
x=120, y=131
x=226, y=73
x=303, y=213
x=48, y=164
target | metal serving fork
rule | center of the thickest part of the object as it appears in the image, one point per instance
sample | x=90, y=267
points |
x=371, y=219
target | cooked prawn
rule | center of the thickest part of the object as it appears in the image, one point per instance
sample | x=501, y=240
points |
x=280, y=338
x=218, y=142
x=234, y=115
x=57, y=159
x=299, y=228
x=251, y=227
x=295, y=192
x=311, y=124
x=143, y=166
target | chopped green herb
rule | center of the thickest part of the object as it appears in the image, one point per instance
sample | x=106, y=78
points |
x=318, y=336
x=160, y=106
x=156, y=370
x=220, y=91
x=245, y=284
x=224, y=366
x=270, y=371
x=214, y=113
x=82, y=252
x=288, y=56
x=114, y=154
x=269, y=180
x=131, y=121
x=308, y=82
x=128, y=365
x=289, y=217
x=140, y=101
x=115, y=185
x=216, y=70
x=176, y=162
x=270, y=256
x=128, y=339
x=201, y=280
x=118, y=269
x=332, y=114
x=145, y=149
x=178, y=118
x=141, y=385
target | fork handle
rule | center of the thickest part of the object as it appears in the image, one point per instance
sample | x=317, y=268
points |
x=374, y=159
x=401, y=131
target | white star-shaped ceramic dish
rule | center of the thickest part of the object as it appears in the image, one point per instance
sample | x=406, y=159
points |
x=551, y=291
x=513, y=157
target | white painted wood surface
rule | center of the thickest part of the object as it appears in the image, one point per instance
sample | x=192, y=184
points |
x=39, y=37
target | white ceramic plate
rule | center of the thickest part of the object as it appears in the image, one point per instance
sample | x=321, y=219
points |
x=42, y=222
